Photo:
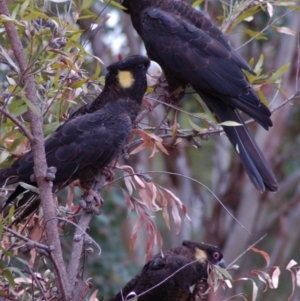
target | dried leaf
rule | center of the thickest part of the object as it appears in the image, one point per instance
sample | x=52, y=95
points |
x=93, y=296
x=154, y=151
x=128, y=201
x=254, y=288
x=19, y=280
x=176, y=216
x=147, y=198
x=166, y=217
x=298, y=278
x=263, y=253
x=291, y=264
x=285, y=30
x=175, y=126
x=134, y=232
x=128, y=183
x=259, y=276
x=150, y=140
x=138, y=149
x=254, y=291
x=293, y=285
x=270, y=9
x=140, y=181
x=275, y=277
x=161, y=147
x=228, y=283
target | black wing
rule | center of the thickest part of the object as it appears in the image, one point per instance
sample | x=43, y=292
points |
x=89, y=140
x=164, y=279
x=190, y=47
x=192, y=50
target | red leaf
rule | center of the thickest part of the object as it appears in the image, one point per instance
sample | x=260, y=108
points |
x=263, y=253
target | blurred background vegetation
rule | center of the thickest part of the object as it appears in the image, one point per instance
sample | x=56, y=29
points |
x=76, y=28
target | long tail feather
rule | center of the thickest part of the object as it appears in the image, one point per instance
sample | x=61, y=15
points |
x=251, y=156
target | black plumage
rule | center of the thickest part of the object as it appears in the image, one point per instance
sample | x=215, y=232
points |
x=192, y=50
x=174, y=275
x=90, y=140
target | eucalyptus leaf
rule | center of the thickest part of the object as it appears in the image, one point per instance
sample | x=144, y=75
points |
x=30, y=187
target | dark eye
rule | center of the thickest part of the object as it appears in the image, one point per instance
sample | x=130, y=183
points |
x=216, y=256
x=140, y=66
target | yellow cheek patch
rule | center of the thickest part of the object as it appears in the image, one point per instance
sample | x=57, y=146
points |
x=200, y=255
x=126, y=79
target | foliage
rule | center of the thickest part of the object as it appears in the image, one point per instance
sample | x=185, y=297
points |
x=57, y=45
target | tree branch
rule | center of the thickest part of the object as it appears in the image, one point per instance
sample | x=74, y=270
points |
x=34, y=243
x=78, y=240
x=40, y=164
x=23, y=129
x=231, y=20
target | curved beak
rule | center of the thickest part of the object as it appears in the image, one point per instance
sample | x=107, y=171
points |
x=222, y=264
x=153, y=74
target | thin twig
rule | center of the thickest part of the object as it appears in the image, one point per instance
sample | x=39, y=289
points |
x=269, y=25
x=34, y=243
x=22, y=127
x=249, y=248
x=296, y=95
x=82, y=232
x=166, y=279
x=37, y=282
x=233, y=18
x=146, y=111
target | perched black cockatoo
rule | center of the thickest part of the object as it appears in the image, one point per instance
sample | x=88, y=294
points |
x=90, y=140
x=192, y=50
x=174, y=275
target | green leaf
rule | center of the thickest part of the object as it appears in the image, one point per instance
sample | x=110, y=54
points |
x=8, y=275
x=197, y=3
x=196, y=127
x=3, y=156
x=86, y=4
x=116, y=4
x=36, y=14
x=79, y=83
x=11, y=81
x=252, y=34
x=18, y=271
x=23, y=8
x=258, y=66
x=15, y=11
x=262, y=98
x=97, y=71
x=246, y=14
x=230, y=123
x=19, y=109
x=29, y=187
x=223, y=272
x=278, y=73
x=32, y=107
x=10, y=61
x=205, y=117
x=4, y=18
